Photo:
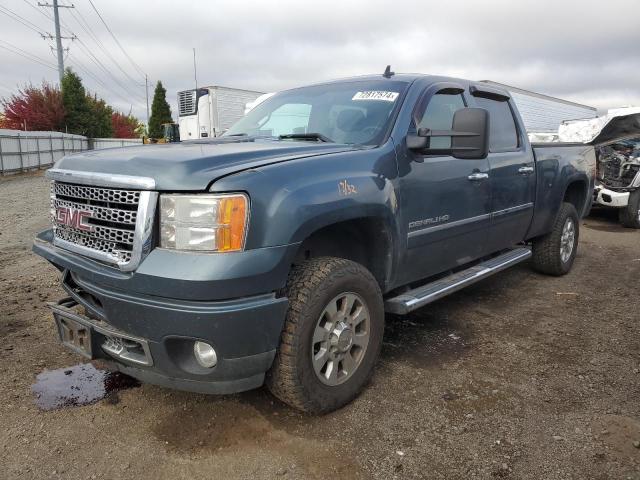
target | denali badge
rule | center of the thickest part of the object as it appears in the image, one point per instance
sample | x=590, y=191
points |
x=74, y=218
x=429, y=221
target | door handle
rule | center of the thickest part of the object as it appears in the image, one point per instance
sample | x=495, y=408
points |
x=478, y=176
x=525, y=170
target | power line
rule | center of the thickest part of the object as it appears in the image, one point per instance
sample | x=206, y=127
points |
x=35, y=57
x=101, y=66
x=87, y=29
x=85, y=48
x=48, y=65
x=82, y=67
x=116, y=40
x=18, y=18
x=137, y=97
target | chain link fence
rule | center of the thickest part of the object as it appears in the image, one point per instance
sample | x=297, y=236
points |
x=23, y=151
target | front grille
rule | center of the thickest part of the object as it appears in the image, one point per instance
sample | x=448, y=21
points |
x=616, y=172
x=187, y=102
x=102, y=220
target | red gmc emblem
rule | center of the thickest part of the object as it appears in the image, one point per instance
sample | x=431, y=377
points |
x=72, y=217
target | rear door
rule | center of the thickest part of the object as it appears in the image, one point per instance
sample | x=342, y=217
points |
x=512, y=171
x=445, y=200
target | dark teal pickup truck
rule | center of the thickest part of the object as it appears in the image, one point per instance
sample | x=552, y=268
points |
x=271, y=254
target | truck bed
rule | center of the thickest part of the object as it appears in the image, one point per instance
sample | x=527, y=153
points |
x=558, y=163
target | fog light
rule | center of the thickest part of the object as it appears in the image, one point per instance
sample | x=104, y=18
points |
x=205, y=354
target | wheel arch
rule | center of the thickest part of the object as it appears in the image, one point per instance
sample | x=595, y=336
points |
x=576, y=193
x=367, y=240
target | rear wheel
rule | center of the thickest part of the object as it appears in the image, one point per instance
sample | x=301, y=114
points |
x=331, y=337
x=630, y=215
x=555, y=252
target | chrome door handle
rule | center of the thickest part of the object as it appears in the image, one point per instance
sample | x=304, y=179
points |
x=525, y=170
x=478, y=176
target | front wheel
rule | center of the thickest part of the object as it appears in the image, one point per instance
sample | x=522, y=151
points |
x=555, y=252
x=331, y=337
x=630, y=215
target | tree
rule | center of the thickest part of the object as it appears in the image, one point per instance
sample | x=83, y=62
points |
x=76, y=104
x=34, y=108
x=160, y=111
x=99, y=122
x=125, y=126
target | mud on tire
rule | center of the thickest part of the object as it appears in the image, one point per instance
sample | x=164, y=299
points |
x=311, y=288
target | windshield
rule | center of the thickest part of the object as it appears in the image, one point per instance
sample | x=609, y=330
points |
x=348, y=112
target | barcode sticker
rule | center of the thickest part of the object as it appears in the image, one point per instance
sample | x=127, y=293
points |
x=376, y=95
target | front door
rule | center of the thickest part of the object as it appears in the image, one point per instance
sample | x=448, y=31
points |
x=513, y=179
x=445, y=201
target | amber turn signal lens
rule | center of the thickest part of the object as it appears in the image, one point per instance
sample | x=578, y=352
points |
x=232, y=223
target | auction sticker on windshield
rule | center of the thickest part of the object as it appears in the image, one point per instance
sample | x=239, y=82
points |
x=376, y=95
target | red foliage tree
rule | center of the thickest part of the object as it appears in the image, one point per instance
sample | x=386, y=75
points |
x=34, y=108
x=124, y=126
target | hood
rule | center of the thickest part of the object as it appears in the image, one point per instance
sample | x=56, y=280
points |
x=618, y=124
x=191, y=166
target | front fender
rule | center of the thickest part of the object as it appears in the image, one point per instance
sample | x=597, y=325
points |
x=291, y=200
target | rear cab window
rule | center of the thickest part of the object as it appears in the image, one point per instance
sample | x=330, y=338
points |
x=503, y=133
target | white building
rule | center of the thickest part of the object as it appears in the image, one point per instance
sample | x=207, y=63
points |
x=542, y=113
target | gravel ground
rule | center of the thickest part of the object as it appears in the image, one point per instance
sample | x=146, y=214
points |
x=521, y=376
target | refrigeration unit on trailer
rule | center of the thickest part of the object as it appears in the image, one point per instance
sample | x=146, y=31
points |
x=209, y=111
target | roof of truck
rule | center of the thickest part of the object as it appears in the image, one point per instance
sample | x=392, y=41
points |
x=402, y=77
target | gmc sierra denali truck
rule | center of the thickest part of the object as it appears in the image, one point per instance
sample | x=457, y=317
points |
x=270, y=255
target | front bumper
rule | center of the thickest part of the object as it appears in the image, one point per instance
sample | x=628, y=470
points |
x=611, y=198
x=244, y=331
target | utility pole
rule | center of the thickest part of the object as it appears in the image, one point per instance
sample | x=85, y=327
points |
x=146, y=87
x=56, y=21
x=195, y=72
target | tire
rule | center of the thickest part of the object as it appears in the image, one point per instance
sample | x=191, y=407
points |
x=630, y=215
x=296, y=376
x=554, y=253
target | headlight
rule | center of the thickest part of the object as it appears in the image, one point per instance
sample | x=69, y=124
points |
x=213, y=223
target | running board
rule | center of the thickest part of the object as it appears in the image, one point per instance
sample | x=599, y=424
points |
x=421, y=296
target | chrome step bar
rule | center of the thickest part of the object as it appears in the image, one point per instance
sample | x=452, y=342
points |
x=421, y=296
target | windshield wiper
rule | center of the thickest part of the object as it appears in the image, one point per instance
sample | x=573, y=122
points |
x=237, y=135
x=318, y=137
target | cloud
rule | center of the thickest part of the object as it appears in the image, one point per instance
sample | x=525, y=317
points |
x=572, y=49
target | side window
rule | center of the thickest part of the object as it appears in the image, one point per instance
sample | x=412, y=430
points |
x=439, y=116
x=289, y=118
x=503, y=135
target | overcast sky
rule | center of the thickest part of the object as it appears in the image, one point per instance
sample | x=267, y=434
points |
x=584, y=51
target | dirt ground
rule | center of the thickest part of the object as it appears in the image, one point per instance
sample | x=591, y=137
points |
x=521, y=376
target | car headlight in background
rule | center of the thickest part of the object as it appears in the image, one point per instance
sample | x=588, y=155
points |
x=213, y=223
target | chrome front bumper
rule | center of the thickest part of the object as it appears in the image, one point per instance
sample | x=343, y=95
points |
x=611, y=198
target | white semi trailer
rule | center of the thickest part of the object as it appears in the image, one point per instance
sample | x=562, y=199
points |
x=210, y=111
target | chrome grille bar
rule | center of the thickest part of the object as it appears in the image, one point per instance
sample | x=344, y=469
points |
x=113, y=225
x=125, y=217
x=127, y=197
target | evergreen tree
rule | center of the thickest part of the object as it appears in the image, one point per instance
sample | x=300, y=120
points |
x=99, y=124
x=160, y=112
x=76, y=105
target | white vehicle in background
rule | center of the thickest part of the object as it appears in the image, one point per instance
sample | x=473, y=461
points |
x=618, y=154
x=210, y=111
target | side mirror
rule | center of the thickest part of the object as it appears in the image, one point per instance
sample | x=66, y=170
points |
x=475, y=144
x=469, y=136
